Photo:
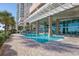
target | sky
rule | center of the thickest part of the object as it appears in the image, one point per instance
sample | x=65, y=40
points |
x=10, y=7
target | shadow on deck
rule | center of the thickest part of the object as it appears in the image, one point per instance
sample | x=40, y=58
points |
x=57, y=46
x=8, y=51
x=61, y=47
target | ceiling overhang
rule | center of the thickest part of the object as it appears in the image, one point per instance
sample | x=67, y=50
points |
x=54, y=9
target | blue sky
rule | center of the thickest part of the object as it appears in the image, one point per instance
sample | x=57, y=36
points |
x=10, y=7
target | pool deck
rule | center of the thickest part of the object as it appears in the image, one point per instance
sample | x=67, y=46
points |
x=18, y=46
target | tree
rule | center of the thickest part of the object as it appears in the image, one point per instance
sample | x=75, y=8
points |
x=7, y=19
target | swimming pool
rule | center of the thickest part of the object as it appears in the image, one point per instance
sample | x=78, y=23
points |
x=43, y=38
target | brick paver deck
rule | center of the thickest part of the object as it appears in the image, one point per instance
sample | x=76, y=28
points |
x=18, y=46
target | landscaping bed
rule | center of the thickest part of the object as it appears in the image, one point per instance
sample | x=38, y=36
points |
x=3, y=37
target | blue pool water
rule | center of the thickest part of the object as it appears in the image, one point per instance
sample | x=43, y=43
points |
x=43, y=38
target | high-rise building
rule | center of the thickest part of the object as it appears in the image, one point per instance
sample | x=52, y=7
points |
x=17, y=16
x=22, y=12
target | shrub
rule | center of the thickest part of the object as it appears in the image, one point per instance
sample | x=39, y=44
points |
x=4, y=37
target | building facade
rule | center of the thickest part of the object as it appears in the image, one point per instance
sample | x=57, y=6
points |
x=22, y=12
x=61, y=18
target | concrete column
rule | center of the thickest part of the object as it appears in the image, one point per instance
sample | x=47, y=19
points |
x=30, y=26
x=37, y=27
x=24, y=27
x=57, y=26
x=16, y=27
x=50, y=26
x=67, y=28
x=27, y=26
x=64, y=29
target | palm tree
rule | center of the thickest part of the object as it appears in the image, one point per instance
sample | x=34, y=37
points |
x=6, y=19
x=12, y=23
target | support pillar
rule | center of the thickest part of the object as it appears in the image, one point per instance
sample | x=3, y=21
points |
x=16, y=27
x=30, y=26
x=50, y=26
x=64, y=29
x=27, y=27
x=24, y=25
x=57, y=26
x=37, y=27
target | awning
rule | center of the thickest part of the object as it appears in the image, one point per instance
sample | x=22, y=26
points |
x=50, y=9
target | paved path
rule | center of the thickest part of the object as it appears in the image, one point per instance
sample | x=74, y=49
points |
x=18, y=46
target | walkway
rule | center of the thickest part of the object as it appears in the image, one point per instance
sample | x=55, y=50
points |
x=18, y=46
